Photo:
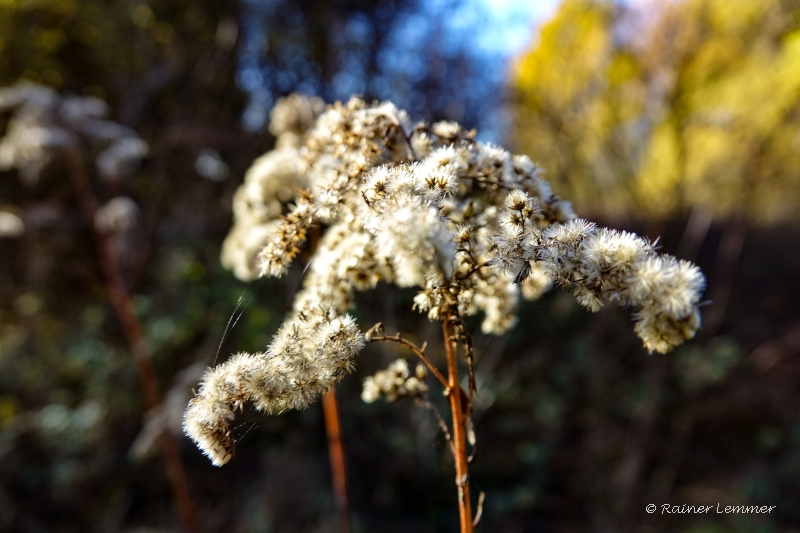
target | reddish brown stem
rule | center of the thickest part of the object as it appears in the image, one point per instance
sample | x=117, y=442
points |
x=336, y=450
x=333, y=427
x=132, y=328
x=177, y=481
x=459, y=428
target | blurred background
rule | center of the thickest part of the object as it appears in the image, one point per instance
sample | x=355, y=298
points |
x=678, y=120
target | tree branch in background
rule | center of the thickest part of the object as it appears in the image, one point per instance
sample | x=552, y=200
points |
x=333, y=427
x=330, y=408
x=121, y=301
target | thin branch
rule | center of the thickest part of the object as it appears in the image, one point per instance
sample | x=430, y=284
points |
x=442, y=424
x=132, y=328
x=468, y=251
x=406, y=137
x=379, y=336
x=479, y=512
x=474, y=269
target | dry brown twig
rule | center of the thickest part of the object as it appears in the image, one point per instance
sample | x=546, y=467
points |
x=376, y=334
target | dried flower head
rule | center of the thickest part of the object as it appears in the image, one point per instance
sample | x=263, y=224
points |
x=467, y=223
x=11, y=225
x=119, y=214
x=42, y=123
x=395, y=382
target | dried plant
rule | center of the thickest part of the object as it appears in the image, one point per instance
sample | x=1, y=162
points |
x=47, y=131
x=414, y=205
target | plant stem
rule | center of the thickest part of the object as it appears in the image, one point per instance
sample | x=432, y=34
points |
x=132, y=328
x=459, y=428
x=336, y=450
x=333, y=427
x=418, y=351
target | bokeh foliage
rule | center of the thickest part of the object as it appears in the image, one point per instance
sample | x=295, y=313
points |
x=693, y=103
x=678, y=119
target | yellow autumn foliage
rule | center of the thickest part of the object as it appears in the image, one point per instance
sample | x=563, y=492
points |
x=666, y=107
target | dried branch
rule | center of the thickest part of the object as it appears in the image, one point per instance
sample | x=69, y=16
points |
x=378, y=336
x=330, y=408
x=479, y=512
x=475, y=269
x=121, y=301
x=442, y=424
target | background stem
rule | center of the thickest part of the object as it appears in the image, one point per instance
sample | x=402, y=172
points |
x=336, y=450
x=333, y=428
x=132, y=328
